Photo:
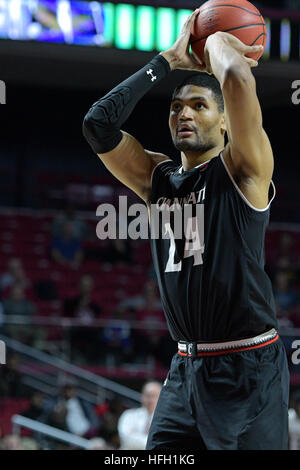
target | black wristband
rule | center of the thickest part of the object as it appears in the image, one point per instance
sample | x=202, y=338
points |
x=101, y=125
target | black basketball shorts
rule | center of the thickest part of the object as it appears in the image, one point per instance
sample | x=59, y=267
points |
x=232, y=401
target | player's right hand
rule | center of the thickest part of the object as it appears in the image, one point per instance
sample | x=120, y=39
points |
x=178, y=55
x=220, y=38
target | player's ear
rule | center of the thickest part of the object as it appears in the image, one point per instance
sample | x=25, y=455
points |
x=223, y=124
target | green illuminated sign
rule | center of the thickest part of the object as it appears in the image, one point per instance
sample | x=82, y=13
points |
x=109, y=15
x=165, y=28
x=148, y=28
x=145, y=28
x=125, y=21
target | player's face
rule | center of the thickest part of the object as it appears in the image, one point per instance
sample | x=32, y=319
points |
x=195, y=121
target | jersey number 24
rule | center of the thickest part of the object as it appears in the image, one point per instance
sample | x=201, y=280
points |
x=194, y=243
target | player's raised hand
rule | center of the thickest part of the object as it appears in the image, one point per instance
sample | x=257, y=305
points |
x=178, y=55
x=214, y=40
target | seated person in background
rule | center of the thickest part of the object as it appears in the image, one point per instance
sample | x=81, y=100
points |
x=84, y=338
x=98, y=443
x=15, y=274
x=36, y=411
x=36, y=408
x=66, y=249
x=71, y=413
x=79, y=226
x=18, y=304
x=285, y=295
x=134, y=424
x=11, y=384
x=83, y=306
x=109, y=412
x=152, y=339
x=116, y=339
x=148, y=297
x=294, y=422
x=283, y=255
x=11, y=442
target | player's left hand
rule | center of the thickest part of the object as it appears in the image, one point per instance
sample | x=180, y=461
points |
x=178, y=55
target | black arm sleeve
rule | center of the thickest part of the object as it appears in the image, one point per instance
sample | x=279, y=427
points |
x=102, y=123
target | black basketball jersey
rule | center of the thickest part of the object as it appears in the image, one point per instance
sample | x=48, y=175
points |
x=217, y=290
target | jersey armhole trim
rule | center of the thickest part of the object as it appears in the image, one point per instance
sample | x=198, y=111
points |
x=159, y=163
x=242, y=195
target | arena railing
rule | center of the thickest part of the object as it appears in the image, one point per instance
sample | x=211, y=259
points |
x=19, y=422
x=93, y=384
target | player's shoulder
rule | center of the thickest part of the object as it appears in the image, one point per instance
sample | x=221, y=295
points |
x=157, y=158
x=160, y=160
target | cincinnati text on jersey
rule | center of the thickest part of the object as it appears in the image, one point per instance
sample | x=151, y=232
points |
x=195, y=197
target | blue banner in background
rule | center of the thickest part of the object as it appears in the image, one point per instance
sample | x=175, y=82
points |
x=60, y=21
x=122, y=26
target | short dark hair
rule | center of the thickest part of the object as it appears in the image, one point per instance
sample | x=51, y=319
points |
x=204, y=80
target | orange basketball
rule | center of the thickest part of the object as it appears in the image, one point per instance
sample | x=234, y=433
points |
x=237, y=17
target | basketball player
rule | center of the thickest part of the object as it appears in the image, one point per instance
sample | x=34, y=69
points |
x=227, y=387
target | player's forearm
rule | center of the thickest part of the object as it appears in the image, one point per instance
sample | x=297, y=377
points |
x=225, y=61
x=102, y=124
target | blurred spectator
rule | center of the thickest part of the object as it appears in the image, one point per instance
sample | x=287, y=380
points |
x=109, y=413
x=85, y=338
x=11, y=384
x=15, y=274
x=28, y=443
x=151, y=339
x=282, y=255
x=18, y=304
x=285, y=245
x=294, y=423
x=148, y=340
x=148, y=298
x=66, y=248
x=83, y=306
x=97, y=443
x=36, y=408
x=11, y=442
x=79, y=227
x=116, y=338
x=16, y=442
x=36, y=411
x=71, y=413
x=134, y=424
x=285, y=295
x=117, y=251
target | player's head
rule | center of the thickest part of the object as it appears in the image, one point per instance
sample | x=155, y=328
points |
x=197, y=106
